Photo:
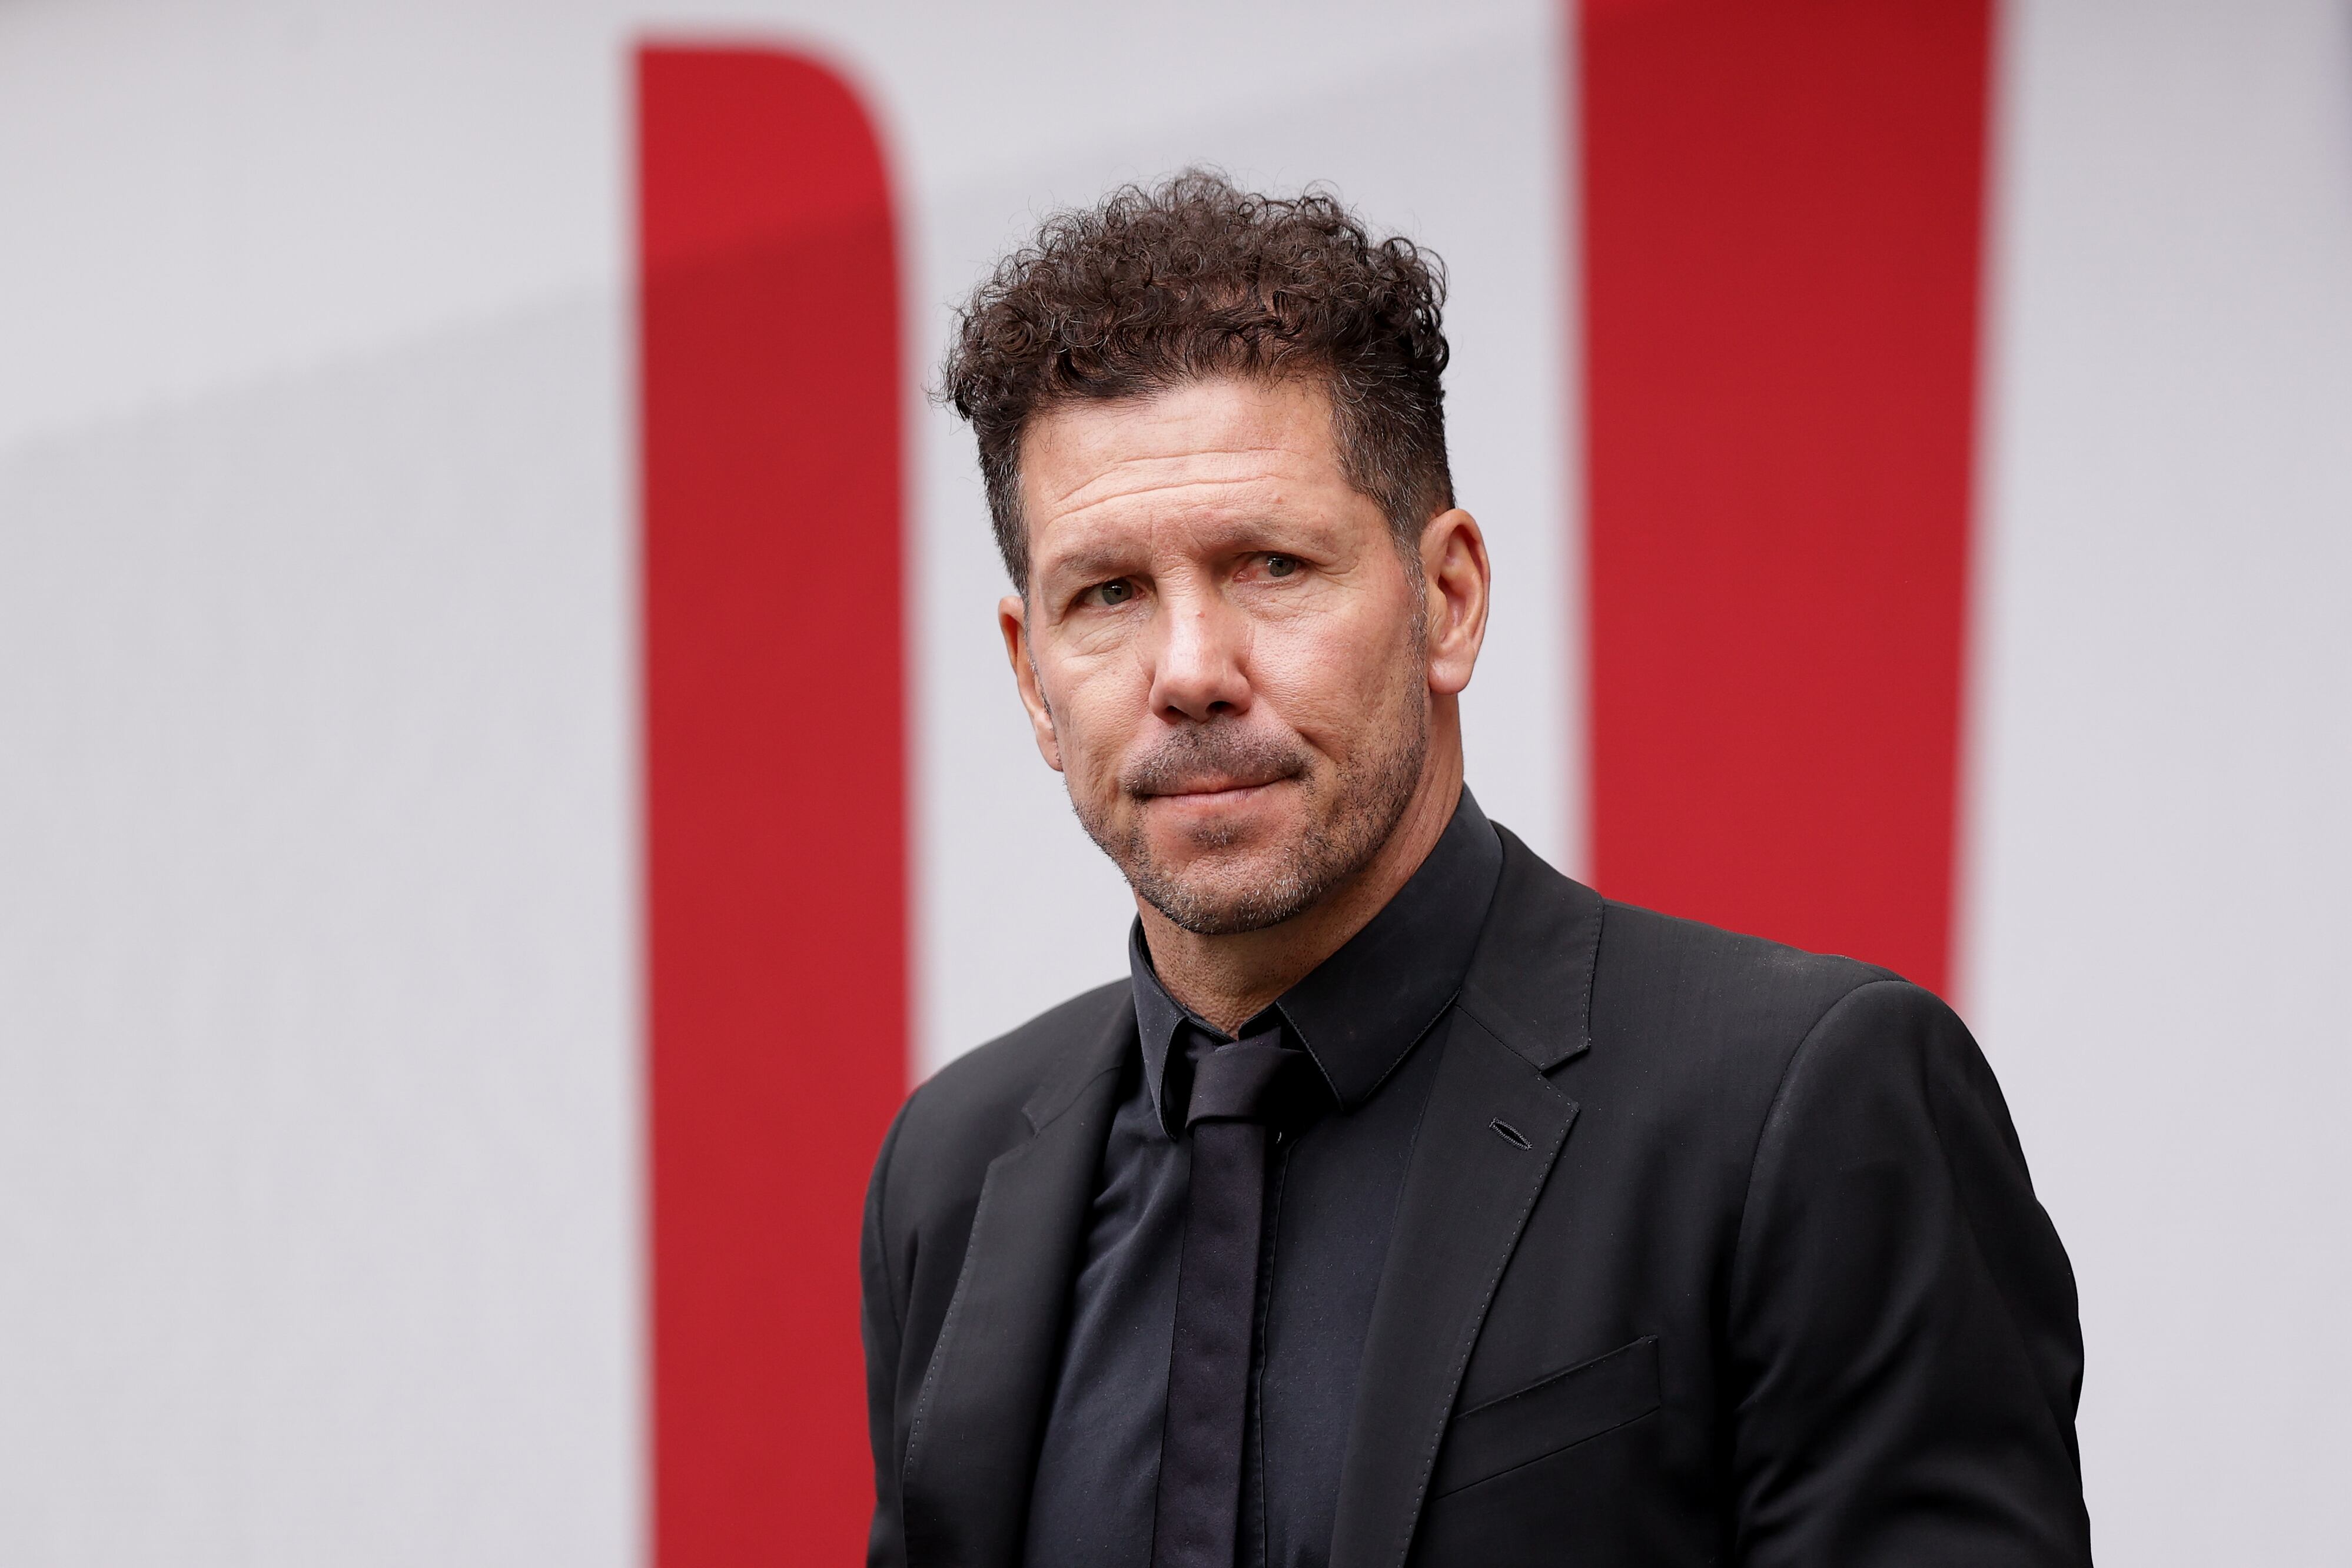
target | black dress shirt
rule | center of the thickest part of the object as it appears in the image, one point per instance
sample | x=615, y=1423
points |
x=1331, y=1193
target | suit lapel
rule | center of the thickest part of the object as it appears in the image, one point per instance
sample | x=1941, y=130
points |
x=1525, y=1008
x=973, y=1446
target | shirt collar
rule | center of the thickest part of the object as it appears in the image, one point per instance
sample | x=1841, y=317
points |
x=1362, y=1010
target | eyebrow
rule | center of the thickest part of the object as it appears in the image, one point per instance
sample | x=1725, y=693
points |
x=1091, y=563
x=1096, y=562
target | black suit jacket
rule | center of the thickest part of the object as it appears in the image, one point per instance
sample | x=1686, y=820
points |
x=1709, y=1252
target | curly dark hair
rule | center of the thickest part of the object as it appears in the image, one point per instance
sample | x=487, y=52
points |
x=1194, y=277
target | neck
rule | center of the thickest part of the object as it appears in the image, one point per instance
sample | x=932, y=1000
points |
x=1228, y=980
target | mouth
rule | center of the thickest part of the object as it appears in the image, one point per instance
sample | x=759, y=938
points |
x=1211, y=792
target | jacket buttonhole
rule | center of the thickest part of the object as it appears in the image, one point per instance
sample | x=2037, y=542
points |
x=1510, y=1133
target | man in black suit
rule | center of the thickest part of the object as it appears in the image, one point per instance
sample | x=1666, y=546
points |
x=1408, y=1203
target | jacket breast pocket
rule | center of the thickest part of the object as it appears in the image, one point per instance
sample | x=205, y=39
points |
x=1554, y=1413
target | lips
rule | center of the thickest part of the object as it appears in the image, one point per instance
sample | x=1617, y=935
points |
x=1196, y=788
x=1211, y=762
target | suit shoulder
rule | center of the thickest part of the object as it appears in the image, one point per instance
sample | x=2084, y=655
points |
x=1016, y=1061
x=1738, y=1001
x=1758, y=966
x=971, y=1110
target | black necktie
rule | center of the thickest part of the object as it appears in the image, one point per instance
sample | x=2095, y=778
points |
x=1236, y=1090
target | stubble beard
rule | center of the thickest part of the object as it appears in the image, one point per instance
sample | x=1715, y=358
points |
x=1216, y=895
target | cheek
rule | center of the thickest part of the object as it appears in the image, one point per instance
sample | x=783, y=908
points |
x=1332, y=677
x=1096, y=700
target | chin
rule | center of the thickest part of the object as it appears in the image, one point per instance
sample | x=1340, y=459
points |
x=1223, y=864
x=1212, y=863
x=1215, y=845
x=1228, y=888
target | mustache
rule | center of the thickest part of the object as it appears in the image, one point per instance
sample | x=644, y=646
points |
x=1218, y=754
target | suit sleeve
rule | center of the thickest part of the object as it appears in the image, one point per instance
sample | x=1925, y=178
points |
x=881, y=1317
x=1902, y=1340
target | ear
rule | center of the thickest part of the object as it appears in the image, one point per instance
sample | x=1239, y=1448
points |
x=1454, y=582
x=1013, y=620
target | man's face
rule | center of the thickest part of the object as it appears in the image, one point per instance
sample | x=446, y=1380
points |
x=1221, y=649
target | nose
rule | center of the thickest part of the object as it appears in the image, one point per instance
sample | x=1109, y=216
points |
x=1200, y=664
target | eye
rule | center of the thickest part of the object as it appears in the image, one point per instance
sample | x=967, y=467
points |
x=1117, y=591
x=1281, y=565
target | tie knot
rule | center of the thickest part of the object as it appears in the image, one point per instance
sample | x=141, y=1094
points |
x=1252, y=1080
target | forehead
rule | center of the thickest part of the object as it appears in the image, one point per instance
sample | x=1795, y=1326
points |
x=1199, y=450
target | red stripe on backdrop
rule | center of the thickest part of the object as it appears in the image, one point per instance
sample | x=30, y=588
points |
x=775, y=787
x=1782, y=207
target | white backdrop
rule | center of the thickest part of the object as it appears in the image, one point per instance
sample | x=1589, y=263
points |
x=319, y=1104
x=2156, y=944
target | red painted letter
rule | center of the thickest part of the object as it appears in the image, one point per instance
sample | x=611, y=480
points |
x=1781, y=220
x=775, y=834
